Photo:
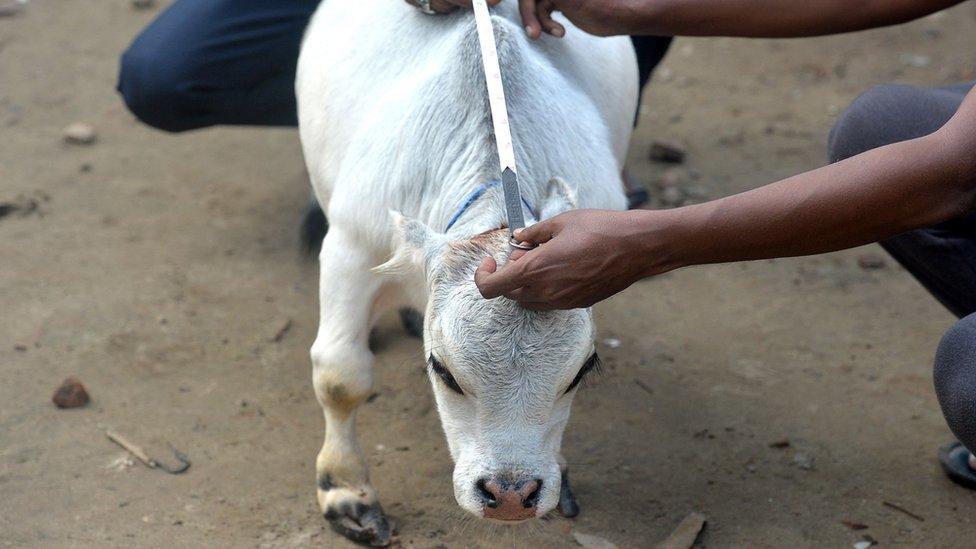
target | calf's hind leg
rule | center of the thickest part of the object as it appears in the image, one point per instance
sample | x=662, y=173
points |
x=343, y=378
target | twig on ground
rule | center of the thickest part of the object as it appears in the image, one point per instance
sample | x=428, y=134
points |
x=901, y=509
x=282, y=330
x=646, y=387
x=130, y=447
x=142, y=456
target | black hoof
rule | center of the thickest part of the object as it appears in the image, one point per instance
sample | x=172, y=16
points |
x=413, y=322
x=955, y=461
x=567, y=501
x=362, y=523
x=637, y=198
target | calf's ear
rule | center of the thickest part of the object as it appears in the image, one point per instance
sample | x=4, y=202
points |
x=415, y=246
x=560, y=197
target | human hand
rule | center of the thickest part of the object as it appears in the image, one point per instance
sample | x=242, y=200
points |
x=597, y=17
x=582, y=257
x=447, y=6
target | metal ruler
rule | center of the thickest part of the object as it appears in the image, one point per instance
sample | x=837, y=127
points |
x=499, y=116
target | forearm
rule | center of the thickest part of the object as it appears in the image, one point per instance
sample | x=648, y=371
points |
x=769, y=18
x=863, y=199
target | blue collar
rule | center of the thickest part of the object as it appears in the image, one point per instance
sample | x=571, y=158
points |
x=475, y=195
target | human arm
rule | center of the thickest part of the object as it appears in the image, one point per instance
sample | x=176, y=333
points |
x=585, y=256
x=745, y=18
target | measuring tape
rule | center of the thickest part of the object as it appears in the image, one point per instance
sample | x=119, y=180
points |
x=499, y=118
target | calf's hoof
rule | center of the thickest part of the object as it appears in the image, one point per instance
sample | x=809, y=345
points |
x=351, y=515
x=363, y=524
x=567, y=501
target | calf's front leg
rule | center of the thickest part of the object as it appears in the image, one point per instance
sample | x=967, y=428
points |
x=568, y=507
x=343, y=379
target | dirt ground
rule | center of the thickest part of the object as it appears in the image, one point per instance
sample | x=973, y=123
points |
x=159, y=269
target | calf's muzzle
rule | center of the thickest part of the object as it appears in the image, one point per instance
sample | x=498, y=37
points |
x=509, y=500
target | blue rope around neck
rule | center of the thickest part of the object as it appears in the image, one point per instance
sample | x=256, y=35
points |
x=475, y=195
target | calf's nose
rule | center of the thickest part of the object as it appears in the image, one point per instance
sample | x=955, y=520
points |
x=510, y=501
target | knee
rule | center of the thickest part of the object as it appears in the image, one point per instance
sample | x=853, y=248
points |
x=342, y=375
x=867, y=123
x=955, y=379
x=153, y=85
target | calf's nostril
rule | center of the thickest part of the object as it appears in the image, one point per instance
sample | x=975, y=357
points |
x=532, y=491
x=488, y=497
x=509, y=499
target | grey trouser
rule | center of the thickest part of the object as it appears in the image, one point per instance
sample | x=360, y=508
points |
x=943, y=257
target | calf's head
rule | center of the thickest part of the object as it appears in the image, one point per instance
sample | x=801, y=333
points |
x=503, y=377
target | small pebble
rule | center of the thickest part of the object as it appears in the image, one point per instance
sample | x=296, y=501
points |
x=589, y=541
x=870, y=262
x=673, y=177
x=121, y=463
x=672, y=196
x=71, y=394
x=10, y=9
x=803, y=461
x=915, y=60
x=80, y=134
x=612, y=342
x=667, y=151
x=143, y=4
x=686, y=533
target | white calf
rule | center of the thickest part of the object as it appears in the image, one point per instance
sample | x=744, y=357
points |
x=394, y=116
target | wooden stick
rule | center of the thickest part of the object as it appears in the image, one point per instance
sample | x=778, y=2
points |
x=901, y=509
x=136, y=451
x=646, y=387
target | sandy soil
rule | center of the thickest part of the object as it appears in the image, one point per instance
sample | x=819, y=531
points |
x=159, y=269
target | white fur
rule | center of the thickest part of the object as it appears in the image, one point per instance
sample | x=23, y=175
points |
x=393, y=115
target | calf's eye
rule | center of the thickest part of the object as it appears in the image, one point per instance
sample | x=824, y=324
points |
x=444, y=375
x=591, y=364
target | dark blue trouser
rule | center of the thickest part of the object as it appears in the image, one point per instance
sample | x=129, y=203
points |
x=942, y=258
x=208, y=62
